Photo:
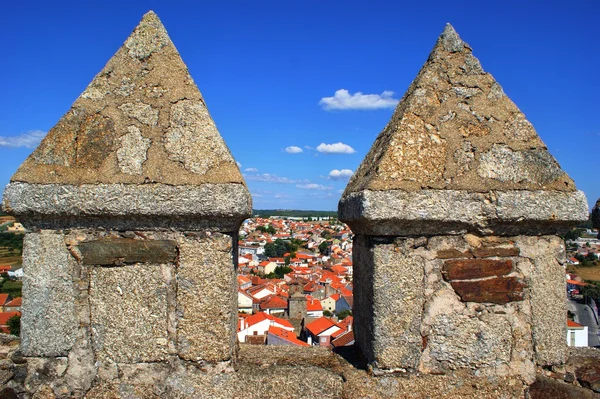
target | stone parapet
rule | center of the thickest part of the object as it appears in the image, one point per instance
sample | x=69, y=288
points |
x=132, y=205
x=456, y=210
x=220, y=207
x=433, y=212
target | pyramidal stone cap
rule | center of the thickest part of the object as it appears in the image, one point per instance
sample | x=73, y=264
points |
x=459, y=152
x=139, y=141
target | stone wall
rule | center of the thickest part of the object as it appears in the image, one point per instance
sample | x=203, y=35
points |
x=133, y=201
x=433, y=304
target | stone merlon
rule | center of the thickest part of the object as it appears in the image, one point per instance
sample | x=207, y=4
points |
x=139, y=141
x=459, y=152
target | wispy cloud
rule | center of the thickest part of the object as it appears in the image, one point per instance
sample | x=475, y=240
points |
x=342, y=99
x=343, y=174
x=336, y=148
x=251, y=170
x=238, y=164
x=269, y=178
x=313, y=186
x=293, y=149
x=28, y=140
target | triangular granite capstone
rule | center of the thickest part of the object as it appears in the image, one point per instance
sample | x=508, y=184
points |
x=141, y=119
x=138, y=141
x=457, y=150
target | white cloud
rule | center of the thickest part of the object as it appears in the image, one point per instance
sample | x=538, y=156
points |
x=251, y=170
x=28, y=140
x=313, y=186
x=293, y=149
x=342, y=99
x=337, y=148
x=343, y=174
x=238, y=164
x=269, y=178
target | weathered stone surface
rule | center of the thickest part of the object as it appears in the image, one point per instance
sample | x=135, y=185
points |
x=494, y=290
x=455, y=129
x=438, y=212
x=548, y=388
x=130, y=207
x=48, y=323
x=388, y=302
x=458, y=341
x=488, y=252
x=206, y=300
x=141, y=119
x=596, y=216
x=118, y=251
x=589, y=376
x=453, y=253
x=467, y=269
x=546, y=278
x=129, y=313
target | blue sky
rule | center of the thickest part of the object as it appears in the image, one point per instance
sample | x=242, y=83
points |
x=267, y=68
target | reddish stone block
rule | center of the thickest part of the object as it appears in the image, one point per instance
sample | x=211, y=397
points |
x=453, y=253
x=495, y=251
x=468, y=269
x=498, y=290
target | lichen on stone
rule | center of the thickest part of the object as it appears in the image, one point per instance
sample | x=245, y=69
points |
x=132, y=152
x=150, y=36
x=193, y=139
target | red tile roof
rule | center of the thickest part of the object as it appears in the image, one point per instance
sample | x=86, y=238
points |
x=319, y=325
x=15, y=302
x=274, y=302
x=573, y=324
x=4, y=298
x=4, y=316
x=286, y=335
x=349, y=320
x=313, y=305
x=260, y=316
x=576, y=282
x=343, y=340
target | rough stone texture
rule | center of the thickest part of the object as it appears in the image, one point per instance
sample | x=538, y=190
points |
x=435, y=212
x=275, y=372
x=498, y=290
x=141, y=119
x=394, y=275
x=458, y=341
x=589, y=376
x=466, y=269
x=583, y=364
x=548, y=388
x=129, y=313
x=545, y=275
x=455, y=129
x=118, y=251
x=206, y=300
x=495, y=251
x=130, y=207
x=434, y=330
x=48, y=324
x=132, y=152
x=596, y=216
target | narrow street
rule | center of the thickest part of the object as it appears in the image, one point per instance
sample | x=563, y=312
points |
x=584, y=315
